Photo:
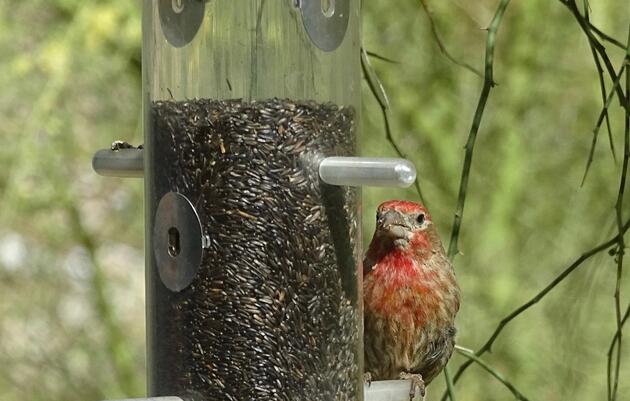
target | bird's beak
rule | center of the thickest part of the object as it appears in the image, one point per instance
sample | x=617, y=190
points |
x=393, y=224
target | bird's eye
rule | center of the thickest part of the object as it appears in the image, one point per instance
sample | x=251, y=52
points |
x=420, y=218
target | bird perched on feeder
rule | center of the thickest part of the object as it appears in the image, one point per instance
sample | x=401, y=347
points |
x=410, y=297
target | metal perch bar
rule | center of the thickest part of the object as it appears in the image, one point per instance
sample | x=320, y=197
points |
x=367, y=171
x=151, y=399
x=346, y=171
x=119, y=163
x=387, y=390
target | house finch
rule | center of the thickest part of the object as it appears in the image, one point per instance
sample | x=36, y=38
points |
x=410, y=297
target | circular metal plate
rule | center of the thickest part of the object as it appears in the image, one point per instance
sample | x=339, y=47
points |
x=181, y=20
x=325, y=21
x=177, y=241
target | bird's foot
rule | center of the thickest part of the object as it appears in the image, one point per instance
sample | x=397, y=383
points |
x=367, y=378
x=417, y=384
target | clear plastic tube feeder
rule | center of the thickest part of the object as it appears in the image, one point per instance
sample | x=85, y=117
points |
x=252, y=194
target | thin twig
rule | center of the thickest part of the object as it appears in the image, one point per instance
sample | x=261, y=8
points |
x=440, y=43
x=606, y=37
x=601, y=50
x=488, y=84
x=472, y=357
x=602, y=86
x=377, y=89
x=611, y=348
x=380, y=57
x=539, y=296
x=450, y=387
x=603, y=114
x=621, y=245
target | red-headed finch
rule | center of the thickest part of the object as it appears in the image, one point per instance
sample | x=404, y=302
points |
x=410, y=297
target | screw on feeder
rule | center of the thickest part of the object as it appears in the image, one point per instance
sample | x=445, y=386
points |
x=180, y=20
x=328, y=8
x=325, y=21
x=174, y=246
x=178, y=241
x=178, y=6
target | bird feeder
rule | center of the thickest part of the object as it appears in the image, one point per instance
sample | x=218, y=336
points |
x=252, y=180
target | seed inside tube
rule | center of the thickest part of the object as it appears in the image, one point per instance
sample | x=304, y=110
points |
x=272, y=313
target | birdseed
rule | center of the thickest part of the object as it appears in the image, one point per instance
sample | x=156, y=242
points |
x=273, y=311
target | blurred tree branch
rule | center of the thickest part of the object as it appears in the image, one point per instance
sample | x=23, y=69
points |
x=487, y=347
x=603, y=114
x=606, y=37
x=119, y=350
x=450, y=386
x=598, y=52
x=377, y=89
x=440, y=43
x=488, y=84
x=596, y=44
x=621, y=245
x=472, y=357
x=615, y=340
x=602, y=85
x=380, y=57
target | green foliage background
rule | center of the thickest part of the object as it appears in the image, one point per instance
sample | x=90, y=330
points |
x=71, y=242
